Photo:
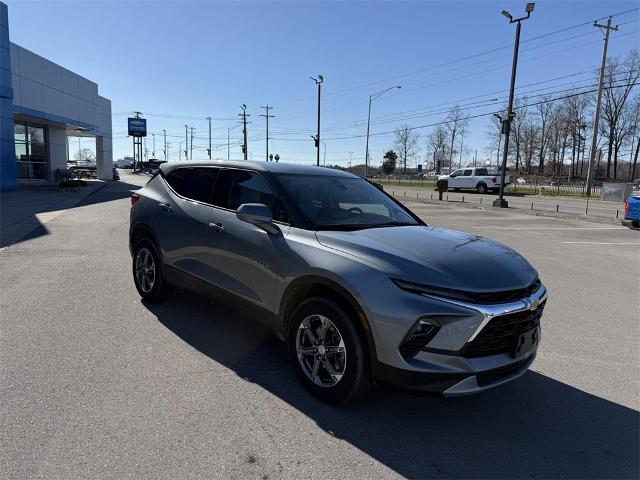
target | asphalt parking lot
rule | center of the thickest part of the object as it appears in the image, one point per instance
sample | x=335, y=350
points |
x=97, y=384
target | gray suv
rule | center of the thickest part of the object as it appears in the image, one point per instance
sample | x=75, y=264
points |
x=359, y=288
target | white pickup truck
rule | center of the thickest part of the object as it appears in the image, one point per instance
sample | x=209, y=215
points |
x=479, y=179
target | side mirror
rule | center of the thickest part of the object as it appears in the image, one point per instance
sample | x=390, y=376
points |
x=379, y=186
x=257, y=214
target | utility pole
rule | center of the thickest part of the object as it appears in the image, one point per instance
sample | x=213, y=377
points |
x=244, y=116
x=153, y=152
x=506, y=123
x=318, y=81
x=191, y=147
x=180, y=151
x=209, y=149
x=267, y=117
x=596, y=117
x=186, y=142
x=461, y=145
x=366, y=150
x=164, y=132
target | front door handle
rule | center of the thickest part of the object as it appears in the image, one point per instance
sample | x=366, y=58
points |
x=217, y=227
x=165, y=206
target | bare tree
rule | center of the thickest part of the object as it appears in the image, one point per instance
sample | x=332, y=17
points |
x=544, y=110
x=635, y=136
x=516, y=139
x=530, y=133
x=437, y=141
x=457, y=124
x=406, y=142
x=619, y=80
x=84, y=155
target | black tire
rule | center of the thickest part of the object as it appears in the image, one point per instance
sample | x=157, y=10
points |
x=481, y=188
x=158, y=290
x=455, y=189
x=356, y=377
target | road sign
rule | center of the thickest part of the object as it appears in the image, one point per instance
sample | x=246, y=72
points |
x=137, y=127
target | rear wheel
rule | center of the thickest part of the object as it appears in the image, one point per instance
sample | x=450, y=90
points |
x=481, y=188
x=328, y=352
x=148, y=272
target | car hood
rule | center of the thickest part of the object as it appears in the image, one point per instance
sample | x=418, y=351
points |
x=436, y=256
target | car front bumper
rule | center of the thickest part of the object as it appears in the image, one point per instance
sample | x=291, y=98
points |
x=447, y=364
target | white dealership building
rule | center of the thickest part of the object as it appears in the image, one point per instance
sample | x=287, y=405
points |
x=41, y=104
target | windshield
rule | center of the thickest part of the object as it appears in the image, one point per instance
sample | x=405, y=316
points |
x=343, y=203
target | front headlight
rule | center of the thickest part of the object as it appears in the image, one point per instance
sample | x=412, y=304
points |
x=421, y=288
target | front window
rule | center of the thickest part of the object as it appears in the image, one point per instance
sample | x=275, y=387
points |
x=456, y=173
x=32, y=159
x=343, y=203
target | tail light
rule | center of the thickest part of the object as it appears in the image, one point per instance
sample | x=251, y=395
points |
x=626, y=207
x=134, y=198
x=494, y=179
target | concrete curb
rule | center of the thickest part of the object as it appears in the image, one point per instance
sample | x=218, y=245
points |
x=18, y=230
x=536, y=213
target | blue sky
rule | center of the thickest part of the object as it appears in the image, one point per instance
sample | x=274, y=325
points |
x=180, y=62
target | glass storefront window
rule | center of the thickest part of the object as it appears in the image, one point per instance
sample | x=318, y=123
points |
x=36, y=134
x=20, y=132
x=21, y=151
x=32, y=159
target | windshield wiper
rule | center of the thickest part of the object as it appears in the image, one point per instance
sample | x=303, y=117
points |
x=394, y=223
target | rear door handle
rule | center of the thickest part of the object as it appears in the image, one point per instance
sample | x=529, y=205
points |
x=165, y=206
x=217, y=227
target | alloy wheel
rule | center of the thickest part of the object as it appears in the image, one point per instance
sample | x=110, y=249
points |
x=145, y=270
x=321, y=350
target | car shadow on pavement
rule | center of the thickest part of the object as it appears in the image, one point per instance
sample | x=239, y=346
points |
x=534, y=427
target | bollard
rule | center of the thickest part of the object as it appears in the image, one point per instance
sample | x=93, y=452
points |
x=557, y=207
x=480, y=200
x=447, y=197
x=531, y=205
x=393, y=192
x=405, y=194
x=617, y=213
x=432, y=196
x=416, y=194
x=462, y=198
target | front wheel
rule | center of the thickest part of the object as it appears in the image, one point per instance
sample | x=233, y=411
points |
x=328, y=351
x=147, y=271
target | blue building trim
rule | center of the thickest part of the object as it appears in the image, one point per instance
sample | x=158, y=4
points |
x=8, y=179
x=54, y=118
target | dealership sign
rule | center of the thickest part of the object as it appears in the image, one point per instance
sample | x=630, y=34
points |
x=137, y=127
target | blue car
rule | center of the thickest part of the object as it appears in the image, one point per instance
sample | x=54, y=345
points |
x=632, y=212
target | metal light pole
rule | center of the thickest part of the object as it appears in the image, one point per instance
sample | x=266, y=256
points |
x=366, y=150
x=209, y=149
x=501, y=202
x=153, y=152
x=318, y=81
x=267, y=117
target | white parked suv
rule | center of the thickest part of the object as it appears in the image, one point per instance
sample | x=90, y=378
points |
x=479, y=179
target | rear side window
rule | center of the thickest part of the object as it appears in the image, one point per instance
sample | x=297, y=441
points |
x=481, y=172
x=193, y=183
x=235, y=187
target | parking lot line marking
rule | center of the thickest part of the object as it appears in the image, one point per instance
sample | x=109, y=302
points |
x=605, y=243
x=546, y=228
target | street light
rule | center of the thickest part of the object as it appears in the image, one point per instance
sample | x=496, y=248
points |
x=371, y=98
x=318, y=81
x=506, y=123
